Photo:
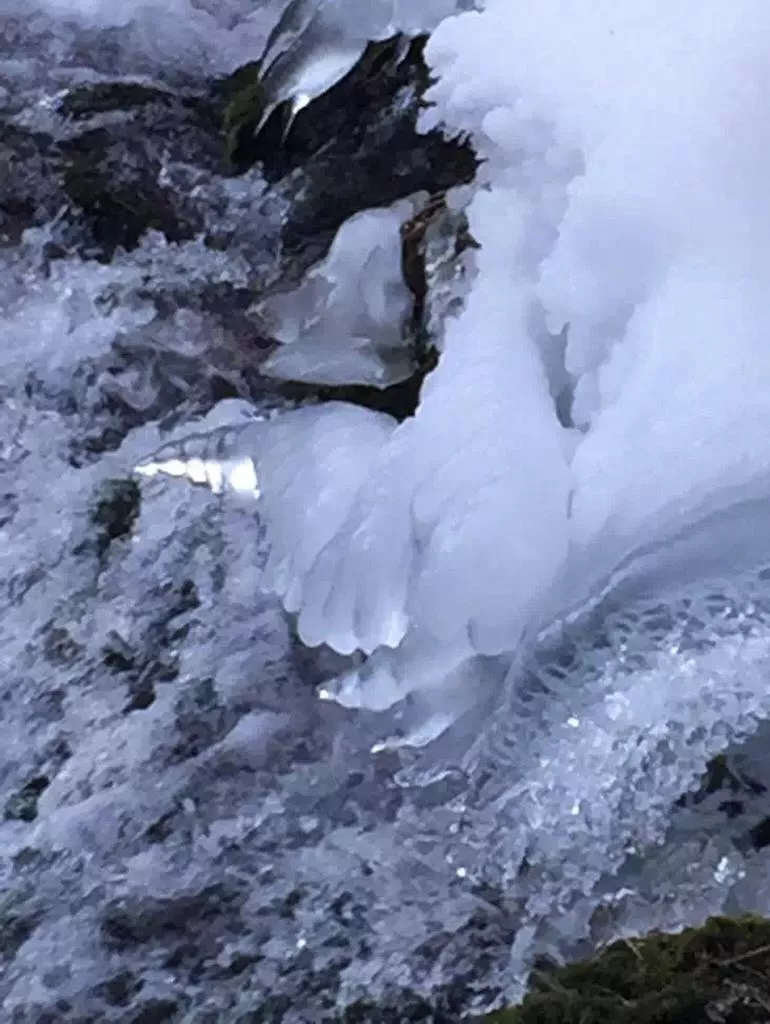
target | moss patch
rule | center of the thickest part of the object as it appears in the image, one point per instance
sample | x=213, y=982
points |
x=245, y=96
x=717, y=974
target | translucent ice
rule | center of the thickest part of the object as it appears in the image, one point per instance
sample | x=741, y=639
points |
x=346, y=323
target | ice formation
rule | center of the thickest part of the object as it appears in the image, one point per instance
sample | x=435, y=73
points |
x=316, y=43
x=630, y=226
x=346, y=322
x=567, y=607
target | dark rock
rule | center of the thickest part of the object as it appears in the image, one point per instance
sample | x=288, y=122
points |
x=112, y=172
x=155, y=1011
x=172, y=921
x=112, y=187
x=243, y=98
x=353, y=148
x=120, y=989
x=29, y=195
x=729, y=790
x=109, y=98
x=22, y=806
x=17, y=923
x=399, y=400
x=115, y=512
x=106, y=171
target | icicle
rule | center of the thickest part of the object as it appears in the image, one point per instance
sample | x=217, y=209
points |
x=213, y=459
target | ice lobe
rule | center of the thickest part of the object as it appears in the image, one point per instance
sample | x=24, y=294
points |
x=649, y=246
x=325, y=452
x=457, y=523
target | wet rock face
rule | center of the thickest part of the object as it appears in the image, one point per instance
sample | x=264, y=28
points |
x=353, y=148
x=112, y=173
x=100, y=169
x=111, y=163
x=104, y=171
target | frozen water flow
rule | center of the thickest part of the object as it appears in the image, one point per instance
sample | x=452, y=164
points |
x=535, y=627
x=640, y=235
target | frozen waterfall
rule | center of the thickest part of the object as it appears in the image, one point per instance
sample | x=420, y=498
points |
x=607, y=214
x=537, y=609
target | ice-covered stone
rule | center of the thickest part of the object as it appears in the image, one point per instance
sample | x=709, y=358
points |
x=347, y=321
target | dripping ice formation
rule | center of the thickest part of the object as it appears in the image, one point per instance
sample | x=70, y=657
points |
x=632, y=227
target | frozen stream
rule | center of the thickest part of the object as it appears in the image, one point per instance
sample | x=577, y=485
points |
x=574, y=608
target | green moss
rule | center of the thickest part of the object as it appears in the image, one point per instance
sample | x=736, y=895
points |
x=716, y=974
x=245, y=104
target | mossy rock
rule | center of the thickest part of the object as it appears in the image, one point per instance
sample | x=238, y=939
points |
x=716, y=974
x=245, y=97
x=363, y=115
x=109, y=97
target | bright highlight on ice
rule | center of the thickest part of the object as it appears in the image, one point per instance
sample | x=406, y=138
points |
x=238, y=475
